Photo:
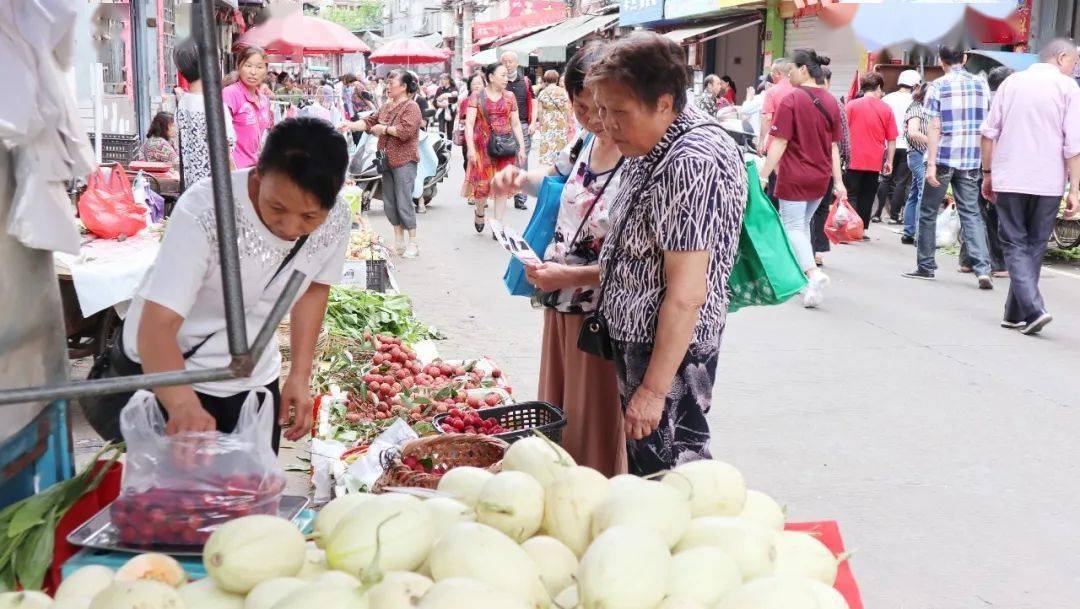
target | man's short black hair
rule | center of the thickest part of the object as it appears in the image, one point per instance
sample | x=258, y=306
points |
x=951, y=55
x=311, y=153
x=871, y=81
x=186, y=57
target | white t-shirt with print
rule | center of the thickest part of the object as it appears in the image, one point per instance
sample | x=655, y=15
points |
x=186, y=278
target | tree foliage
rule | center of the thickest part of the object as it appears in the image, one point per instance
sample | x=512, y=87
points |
x=365, y=17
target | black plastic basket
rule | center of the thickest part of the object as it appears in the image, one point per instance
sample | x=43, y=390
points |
x=520, y=420
x=378, y=277
x=117, y=147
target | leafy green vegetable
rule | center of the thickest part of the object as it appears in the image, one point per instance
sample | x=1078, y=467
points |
x=351, y=312
x=28, y=527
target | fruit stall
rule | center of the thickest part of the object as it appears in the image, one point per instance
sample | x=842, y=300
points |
x=531, y=531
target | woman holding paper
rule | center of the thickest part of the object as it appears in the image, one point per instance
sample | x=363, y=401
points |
x=583, y=385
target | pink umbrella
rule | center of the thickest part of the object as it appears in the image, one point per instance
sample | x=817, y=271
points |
x=407, y=51
x=299, y=34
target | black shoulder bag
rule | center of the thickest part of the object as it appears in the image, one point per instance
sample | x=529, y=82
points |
x=595, y=335
x=382, y=163
x=103, y=412
x=500, y=145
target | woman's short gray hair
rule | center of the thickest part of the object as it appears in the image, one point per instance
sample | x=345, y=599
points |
x=646, y=63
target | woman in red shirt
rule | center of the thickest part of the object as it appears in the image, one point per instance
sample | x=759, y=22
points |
x=804, y=152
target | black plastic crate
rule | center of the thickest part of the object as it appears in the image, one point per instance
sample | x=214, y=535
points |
x=521, y=419
x=378, y=277
x=117, y=147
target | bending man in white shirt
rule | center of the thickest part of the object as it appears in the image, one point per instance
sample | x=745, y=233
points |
x=288, y=219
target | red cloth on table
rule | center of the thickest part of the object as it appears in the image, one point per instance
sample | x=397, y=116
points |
x=828, y=533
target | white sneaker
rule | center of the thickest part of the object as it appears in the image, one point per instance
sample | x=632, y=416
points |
x=412, y=251
x=399, y=247
x=814, y=294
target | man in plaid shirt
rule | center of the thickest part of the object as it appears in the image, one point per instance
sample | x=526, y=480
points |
x=956, y=104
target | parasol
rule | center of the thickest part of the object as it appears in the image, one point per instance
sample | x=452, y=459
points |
x=301, y=34
x=407, y=51
x=888, y=22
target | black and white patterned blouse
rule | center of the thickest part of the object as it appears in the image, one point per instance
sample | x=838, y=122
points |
x=688, y=199
x=194, y=142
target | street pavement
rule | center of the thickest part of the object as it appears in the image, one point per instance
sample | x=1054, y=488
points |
x=944, y=445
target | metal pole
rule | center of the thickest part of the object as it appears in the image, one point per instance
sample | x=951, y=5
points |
x=117, y=384
x=206, y=38
x=139, y=67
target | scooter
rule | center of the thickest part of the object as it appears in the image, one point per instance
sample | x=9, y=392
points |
x=432, y=169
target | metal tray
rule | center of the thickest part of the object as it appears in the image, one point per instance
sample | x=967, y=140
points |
x=99, y=532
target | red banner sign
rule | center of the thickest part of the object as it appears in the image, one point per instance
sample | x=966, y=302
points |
x=523, y=14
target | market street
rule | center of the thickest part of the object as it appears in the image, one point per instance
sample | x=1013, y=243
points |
x=944, y=445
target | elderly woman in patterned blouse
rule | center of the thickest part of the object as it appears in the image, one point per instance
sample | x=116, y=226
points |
x=665, y=264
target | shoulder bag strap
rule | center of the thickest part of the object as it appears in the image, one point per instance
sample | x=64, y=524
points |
x=616, y=234
x=596, y=200
x=821, y=108
x=281, y=267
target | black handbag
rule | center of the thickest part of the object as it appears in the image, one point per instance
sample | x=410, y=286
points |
x=595, y=335
x=381, y=161
x=500, y=145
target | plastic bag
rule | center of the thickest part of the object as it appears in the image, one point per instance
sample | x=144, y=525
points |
x=108, y=208
x=178, y=489
x=145, y=195
x=843, y=225
x=947, y=230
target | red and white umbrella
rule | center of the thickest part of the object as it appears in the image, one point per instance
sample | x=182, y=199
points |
x=883, y=23
x=407, y=51
x=299, y=34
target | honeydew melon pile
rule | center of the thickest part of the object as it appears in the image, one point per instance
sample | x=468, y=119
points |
x=542, y=534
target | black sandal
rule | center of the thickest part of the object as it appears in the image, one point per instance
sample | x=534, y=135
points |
x=479, y=226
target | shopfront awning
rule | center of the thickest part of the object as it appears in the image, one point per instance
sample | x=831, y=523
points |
x=703, y=32
x=550, y=45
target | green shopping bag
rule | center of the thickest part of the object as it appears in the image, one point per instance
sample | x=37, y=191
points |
x=765, y=271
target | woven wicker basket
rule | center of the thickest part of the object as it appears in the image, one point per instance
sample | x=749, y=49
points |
x=451, y=450
x=285, y=347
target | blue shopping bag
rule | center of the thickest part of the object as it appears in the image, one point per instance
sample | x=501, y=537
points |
x=538, y=234
x=541, y=228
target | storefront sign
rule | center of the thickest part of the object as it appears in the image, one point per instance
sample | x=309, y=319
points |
x=524, y=14
x=682, y=9
x=636, y=12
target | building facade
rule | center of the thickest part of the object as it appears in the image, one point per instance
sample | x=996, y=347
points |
x=409, y=18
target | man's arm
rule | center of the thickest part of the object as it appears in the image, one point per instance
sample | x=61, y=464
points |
x=934, y=139
x=766, y=124
x=1073, y=204
x=305, y=322
x=890, y=154
x=159, y=351
x=987, y=146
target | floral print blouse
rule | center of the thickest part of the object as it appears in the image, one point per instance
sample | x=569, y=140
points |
x=581, y=190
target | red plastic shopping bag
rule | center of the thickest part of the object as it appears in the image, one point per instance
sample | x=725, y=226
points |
x=107, y=208
x=843, y=224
